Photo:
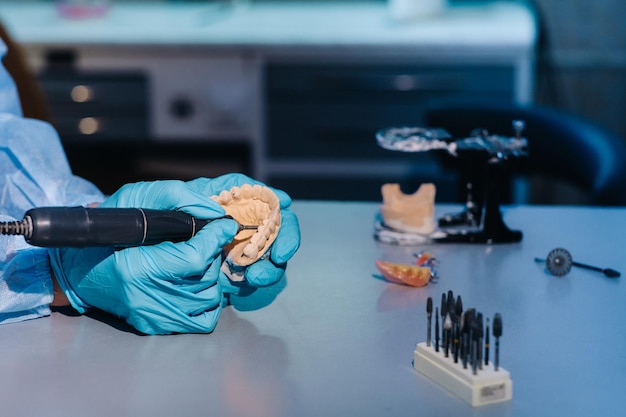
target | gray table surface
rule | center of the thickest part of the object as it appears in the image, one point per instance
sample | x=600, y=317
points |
x=338, y=340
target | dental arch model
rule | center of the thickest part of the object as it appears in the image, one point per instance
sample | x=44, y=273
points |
x=413, y=213
x=250, y=205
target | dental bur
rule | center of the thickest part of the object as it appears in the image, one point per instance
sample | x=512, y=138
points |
x=497, y=332
x=429, y=312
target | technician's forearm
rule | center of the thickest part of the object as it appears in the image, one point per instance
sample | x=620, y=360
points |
x=59, y=298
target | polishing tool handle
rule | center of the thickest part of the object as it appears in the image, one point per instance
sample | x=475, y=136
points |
x=609, y=272
x=120, y=227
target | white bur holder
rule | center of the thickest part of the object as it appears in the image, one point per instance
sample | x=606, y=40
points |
x=487, y=387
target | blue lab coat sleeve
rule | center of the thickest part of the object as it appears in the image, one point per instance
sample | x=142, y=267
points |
x=34, y=172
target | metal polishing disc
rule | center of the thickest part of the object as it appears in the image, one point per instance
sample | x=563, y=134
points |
x=559, y=262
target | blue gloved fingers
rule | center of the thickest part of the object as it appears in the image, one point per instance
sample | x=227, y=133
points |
x=198, y=283
x=67, y=263
x=173, y=261
x=166, y=195
x=213, y=186
x=283, y=197
x=154, y=322
x=182, y=300
x=179, y=313
x=288, y=240
x=264, y=273
x=151, y=304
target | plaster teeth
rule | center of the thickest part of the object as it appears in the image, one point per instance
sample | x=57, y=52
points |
x=269, y=226
x=251, y=251
x=224, y=197
x=256, y=205
x=235, y=193
x=409, y=212
x=246, y=192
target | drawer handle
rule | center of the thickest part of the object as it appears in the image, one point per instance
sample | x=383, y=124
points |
x=81, y=93
x=88, y=125
x=390, y=83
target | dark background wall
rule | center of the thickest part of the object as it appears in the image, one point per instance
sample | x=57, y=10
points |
x=582, y=59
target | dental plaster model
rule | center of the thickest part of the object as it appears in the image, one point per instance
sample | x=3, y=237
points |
x=250, y=205
x=398, y=273
x=413, y=213
x=417, y=275
x=482, y=221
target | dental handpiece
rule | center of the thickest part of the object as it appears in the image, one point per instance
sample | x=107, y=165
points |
x=54, y=227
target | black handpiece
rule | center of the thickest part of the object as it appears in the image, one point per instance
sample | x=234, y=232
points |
x=120, y=227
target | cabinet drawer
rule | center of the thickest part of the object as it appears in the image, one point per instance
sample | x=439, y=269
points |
x=335, y=129
x=289, y=80
x=360, y=188
x=103, y=127
x=97, y=105
x=320, y=111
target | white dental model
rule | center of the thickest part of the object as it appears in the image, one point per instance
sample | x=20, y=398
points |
x=250, y=205
x=413, y=213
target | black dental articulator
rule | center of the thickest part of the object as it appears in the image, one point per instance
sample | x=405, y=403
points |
x=489, y=156
x=119, y=227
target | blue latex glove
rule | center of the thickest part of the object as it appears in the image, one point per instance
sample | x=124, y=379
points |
x=160, y=289
x=263, y=272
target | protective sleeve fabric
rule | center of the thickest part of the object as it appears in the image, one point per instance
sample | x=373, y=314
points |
x=159, y=289
x=33, y=172
x=25, y=285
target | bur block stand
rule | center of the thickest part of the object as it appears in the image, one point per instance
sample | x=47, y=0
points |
x=487, y=387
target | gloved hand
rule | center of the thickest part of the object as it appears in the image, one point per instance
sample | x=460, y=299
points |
x=268, y=271
x=159, y=289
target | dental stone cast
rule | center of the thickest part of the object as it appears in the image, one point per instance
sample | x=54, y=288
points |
x=413, y=213
x=254, y=205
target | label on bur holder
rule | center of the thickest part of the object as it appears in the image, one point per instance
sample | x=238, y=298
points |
x=488, y=386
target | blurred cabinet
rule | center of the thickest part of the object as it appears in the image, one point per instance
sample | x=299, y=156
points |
x=129, y=114
x=297, y=89
x=321, y=122
x=103, y=106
